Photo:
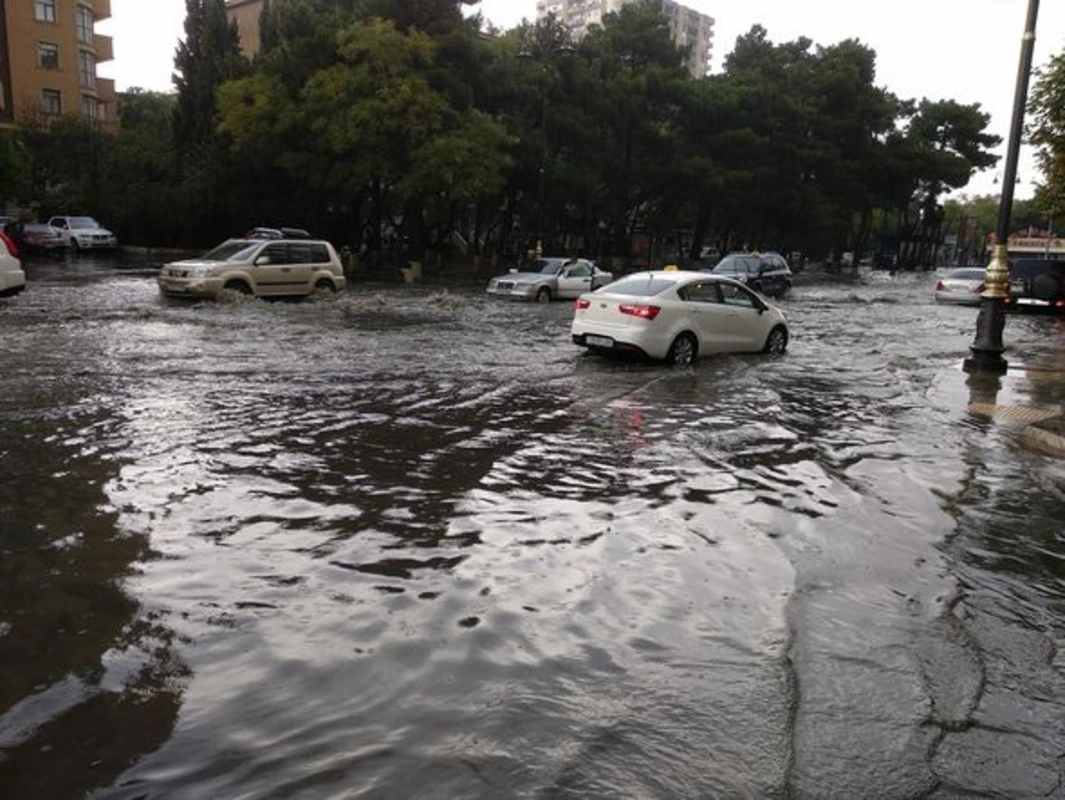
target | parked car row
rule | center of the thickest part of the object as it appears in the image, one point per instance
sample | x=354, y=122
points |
x=58, y=235
x=1035, y=284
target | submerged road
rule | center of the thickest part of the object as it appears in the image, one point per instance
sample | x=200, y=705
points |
x=407, y=542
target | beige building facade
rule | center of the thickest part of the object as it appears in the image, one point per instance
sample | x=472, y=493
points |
x=246, y=14
x=49, y=51
x=688, y=28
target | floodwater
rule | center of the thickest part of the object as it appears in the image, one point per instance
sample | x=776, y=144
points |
x=407, y=542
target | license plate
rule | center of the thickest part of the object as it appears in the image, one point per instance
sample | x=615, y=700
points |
x=598, y=341
x=1030, y=301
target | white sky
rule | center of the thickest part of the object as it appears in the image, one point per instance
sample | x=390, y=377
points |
x=964, y=50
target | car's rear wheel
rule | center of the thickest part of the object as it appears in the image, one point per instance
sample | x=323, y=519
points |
x=240, y=287
x=544, y=295
x=777, y=341
x=324, y=285
x=683, y=351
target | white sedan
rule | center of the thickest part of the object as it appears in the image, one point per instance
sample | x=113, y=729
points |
x=677, y=317
x=963, y=286
x=550, y=279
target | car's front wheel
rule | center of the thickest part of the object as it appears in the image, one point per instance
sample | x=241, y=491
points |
x=240, y=287
x=777, y=341
x=683, y=351
x=544, y=295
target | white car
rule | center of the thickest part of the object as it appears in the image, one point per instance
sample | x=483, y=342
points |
x=261, y=267
x=84, y=233
x=963, y=286
x=678, y=316
x=12, y=278
x=550, y=279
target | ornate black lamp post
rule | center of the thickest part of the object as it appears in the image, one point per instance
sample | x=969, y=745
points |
x=986, y=348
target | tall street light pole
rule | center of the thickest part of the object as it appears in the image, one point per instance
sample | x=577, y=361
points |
x=986, y=349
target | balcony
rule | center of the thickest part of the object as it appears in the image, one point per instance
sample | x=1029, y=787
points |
x=104, y=47
x=101, y=9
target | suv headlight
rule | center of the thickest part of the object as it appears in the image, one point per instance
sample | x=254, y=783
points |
x=199, y=272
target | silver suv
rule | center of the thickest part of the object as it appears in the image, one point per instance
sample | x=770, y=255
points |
x=264, y=268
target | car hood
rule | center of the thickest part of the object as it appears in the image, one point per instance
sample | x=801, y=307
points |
x=193, y=262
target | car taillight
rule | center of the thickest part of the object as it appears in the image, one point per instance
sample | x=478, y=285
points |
x=643, y=312
x=1007, y=301
x=1059, y=304
x=582, y=303
x=939, y=286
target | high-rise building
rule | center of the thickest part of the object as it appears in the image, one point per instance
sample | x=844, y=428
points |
x=49, y=50
x=688, y=27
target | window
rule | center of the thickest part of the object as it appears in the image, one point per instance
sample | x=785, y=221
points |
x=47, y=55
x=83, y=22
x=702, y=293
x=44, y=10
x=90, y=107
x=51, y=102
x=86, y=70
x=736, y=296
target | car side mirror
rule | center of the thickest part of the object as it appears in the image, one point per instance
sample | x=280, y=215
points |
x=261, y=260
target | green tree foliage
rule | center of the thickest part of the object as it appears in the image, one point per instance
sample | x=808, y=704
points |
x=377, y=121
x=1047, y=133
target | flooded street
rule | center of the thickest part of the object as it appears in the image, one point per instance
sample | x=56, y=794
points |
x=410, y=542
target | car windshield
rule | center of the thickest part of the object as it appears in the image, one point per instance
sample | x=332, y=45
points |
x=967, y=274
x=729, y=266
x=82, y=222
x=545, y=266
x=645, y=285
x=238, y=250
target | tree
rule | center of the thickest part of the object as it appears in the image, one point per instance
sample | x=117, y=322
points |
x=1047, y=133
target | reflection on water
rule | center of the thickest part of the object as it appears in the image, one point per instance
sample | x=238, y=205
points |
x=407, y=538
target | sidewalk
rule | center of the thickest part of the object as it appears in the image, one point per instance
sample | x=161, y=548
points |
x=1031, y=395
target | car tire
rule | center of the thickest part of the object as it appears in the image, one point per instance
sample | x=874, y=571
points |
x=1047, y=287
x=777, y=341
x=683, y=351
x=323, y=285
x=543, y=295
x=74, y=246
x=240, y=287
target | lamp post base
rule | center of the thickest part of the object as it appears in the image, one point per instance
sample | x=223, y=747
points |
x=987, y=348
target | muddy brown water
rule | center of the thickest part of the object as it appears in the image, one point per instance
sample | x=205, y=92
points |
x=408, y=542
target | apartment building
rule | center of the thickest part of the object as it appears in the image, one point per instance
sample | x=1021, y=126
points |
x=246, y=14
x=689, y=28
x=49, y=50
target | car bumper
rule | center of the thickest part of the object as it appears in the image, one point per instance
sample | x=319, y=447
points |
x=189, y=287
x=953, y=298
x=621, y=339
x=12, y=282
x=522, y=293
x=1034, y=304
x=96, y=244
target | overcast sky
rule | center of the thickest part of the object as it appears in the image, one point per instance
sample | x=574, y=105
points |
x=964, y=50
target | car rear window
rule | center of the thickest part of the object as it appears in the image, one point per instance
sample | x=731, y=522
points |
x=641, y=285
x=1033, y=267
x=968, y=274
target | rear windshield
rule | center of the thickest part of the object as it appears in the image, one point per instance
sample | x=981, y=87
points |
x=1030, y=268
x=641, y=285
x=967, y=274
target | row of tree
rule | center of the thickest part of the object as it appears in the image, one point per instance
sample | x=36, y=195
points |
x=400, y=128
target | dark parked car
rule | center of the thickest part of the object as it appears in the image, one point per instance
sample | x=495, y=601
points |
x=36, y=237
x=1037, y=284
x=766, y=273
